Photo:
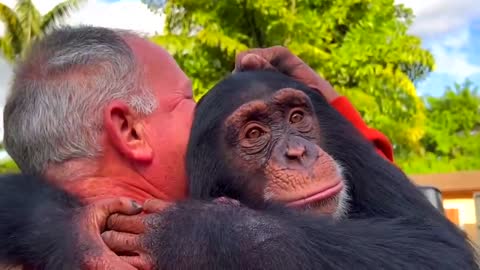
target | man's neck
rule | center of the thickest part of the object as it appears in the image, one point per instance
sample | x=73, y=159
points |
x=96, y=188
x=92, y=184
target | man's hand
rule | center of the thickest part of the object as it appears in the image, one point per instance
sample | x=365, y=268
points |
x=227, y=201
x=91, y=221
x=280, y=59
x=126, y=235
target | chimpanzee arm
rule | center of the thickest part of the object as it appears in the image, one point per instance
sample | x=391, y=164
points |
x=193, y=235
x=39, y=225
x=35, y=223
x=43, y=227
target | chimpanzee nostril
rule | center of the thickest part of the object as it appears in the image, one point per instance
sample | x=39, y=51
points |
x=296, y=152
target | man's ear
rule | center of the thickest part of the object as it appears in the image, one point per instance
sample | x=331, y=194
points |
x=126, y=132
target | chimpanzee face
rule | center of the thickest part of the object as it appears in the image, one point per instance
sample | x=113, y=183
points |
x=278, y=139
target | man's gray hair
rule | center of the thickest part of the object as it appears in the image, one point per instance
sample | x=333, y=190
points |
x=55, y=109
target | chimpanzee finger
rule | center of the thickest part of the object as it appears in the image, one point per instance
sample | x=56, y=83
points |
x=130, y=224
x=139, y=262
x=122, y=242
x=155, y=206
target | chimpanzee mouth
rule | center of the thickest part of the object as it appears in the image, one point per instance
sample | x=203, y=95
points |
x=323, y=198
x=327, y=206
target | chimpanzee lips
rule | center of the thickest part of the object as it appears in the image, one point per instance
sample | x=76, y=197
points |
x=319, y=195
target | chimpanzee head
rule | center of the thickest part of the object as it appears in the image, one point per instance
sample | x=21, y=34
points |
x=261, y=137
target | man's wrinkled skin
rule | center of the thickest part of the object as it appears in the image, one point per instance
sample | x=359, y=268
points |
x=126, y=234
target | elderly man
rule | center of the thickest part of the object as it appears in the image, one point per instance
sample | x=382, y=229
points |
x=105, y=113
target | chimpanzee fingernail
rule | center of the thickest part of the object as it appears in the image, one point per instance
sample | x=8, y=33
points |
x=135, y=205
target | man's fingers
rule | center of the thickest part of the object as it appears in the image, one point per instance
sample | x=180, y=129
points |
x=262, y=53
x=155, y=206
x=139, y=262
x=255, y=62
x=273, y=58
x=104, y=208
x=228, y=201
x=239, y=64
x=129, y=224
x=122, y=242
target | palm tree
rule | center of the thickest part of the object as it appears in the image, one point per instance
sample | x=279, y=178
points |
x=24, y=23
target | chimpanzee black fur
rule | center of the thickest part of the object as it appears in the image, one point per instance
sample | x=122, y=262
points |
x=35, y=224
x=390, y=226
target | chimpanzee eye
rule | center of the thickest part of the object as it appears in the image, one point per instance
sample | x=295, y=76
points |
x=254, y=133
x=296, y=117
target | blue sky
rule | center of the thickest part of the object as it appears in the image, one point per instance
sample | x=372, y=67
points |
x=450, y=70
x=451, y=31
x=449, y=28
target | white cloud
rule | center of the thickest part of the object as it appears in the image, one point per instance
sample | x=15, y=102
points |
x=126, y=14
x=434, y=17
x=450, y=57
x=5, y=77
x=458, y=40
x=446, y=24
x=454, y=63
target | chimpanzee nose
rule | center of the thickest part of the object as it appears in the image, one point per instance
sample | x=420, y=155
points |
x=299, y=152
x=295, y=151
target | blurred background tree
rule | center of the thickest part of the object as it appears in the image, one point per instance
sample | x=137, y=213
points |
x=360, y=46
x=24, y=23
x=452, y=139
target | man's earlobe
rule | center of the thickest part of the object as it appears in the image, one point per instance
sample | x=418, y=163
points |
x=125, y=132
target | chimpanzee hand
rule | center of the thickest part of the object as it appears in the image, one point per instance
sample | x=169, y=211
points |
x=126, y=235
x=91, y=221
x=280, y=59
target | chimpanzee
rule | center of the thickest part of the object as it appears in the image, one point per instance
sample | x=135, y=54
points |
x=266, y=141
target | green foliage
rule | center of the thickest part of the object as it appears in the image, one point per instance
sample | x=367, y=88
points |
x=360, y=46
x=24, y=23
x=452, y=138
x=8, y=166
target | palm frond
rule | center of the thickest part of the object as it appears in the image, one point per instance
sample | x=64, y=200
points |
x=59, y=12
x=218, y=39
x=14, y=35
x=29, y=18
x=6, y=48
